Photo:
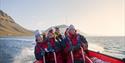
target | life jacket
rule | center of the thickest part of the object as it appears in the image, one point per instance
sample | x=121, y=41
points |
x=51, y=42
x=69, y=42
x=76, y=43
x=51, y=45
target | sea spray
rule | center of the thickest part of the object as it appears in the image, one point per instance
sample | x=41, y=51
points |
x=26, y=56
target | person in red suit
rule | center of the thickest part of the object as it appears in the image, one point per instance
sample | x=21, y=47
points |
x=41, y=44
x=53, y=48
x=73, y=43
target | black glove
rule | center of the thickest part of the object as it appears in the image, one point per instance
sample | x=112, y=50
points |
x=76, y=47
x=50, y=49
x=42, y=52
x=71, y=49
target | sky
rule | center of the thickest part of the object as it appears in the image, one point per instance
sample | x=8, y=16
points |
x=93, y=17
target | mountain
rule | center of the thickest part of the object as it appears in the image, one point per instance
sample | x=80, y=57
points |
x=63, y=28
x=8, y=27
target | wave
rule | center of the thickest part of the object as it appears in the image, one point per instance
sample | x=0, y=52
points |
x=26, y=56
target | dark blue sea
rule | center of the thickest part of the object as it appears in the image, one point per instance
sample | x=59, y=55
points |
x=21, y=49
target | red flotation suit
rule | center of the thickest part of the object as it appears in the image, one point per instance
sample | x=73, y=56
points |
x=77, y=53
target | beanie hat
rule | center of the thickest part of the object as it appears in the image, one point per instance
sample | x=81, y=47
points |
x=71, y=27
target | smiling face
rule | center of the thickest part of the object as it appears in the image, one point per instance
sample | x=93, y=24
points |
x=57, y=30
x=39, y=39
x=72, y=31
x=50, y=35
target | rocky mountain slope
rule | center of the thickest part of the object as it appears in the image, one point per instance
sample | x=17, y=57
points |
x=8, y=27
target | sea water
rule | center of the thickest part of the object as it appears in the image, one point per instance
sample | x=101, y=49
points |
x=21, y=49
x=112, y=46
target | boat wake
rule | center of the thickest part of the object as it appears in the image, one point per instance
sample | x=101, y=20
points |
x=26, y=56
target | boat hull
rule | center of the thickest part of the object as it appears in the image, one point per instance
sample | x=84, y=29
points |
x=98, y=55
x=104, y=57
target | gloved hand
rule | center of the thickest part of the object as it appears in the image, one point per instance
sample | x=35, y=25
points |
x=42, y=52
x=76, y=47
x=46, y=50
x=71, y=49
x=51, y=49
